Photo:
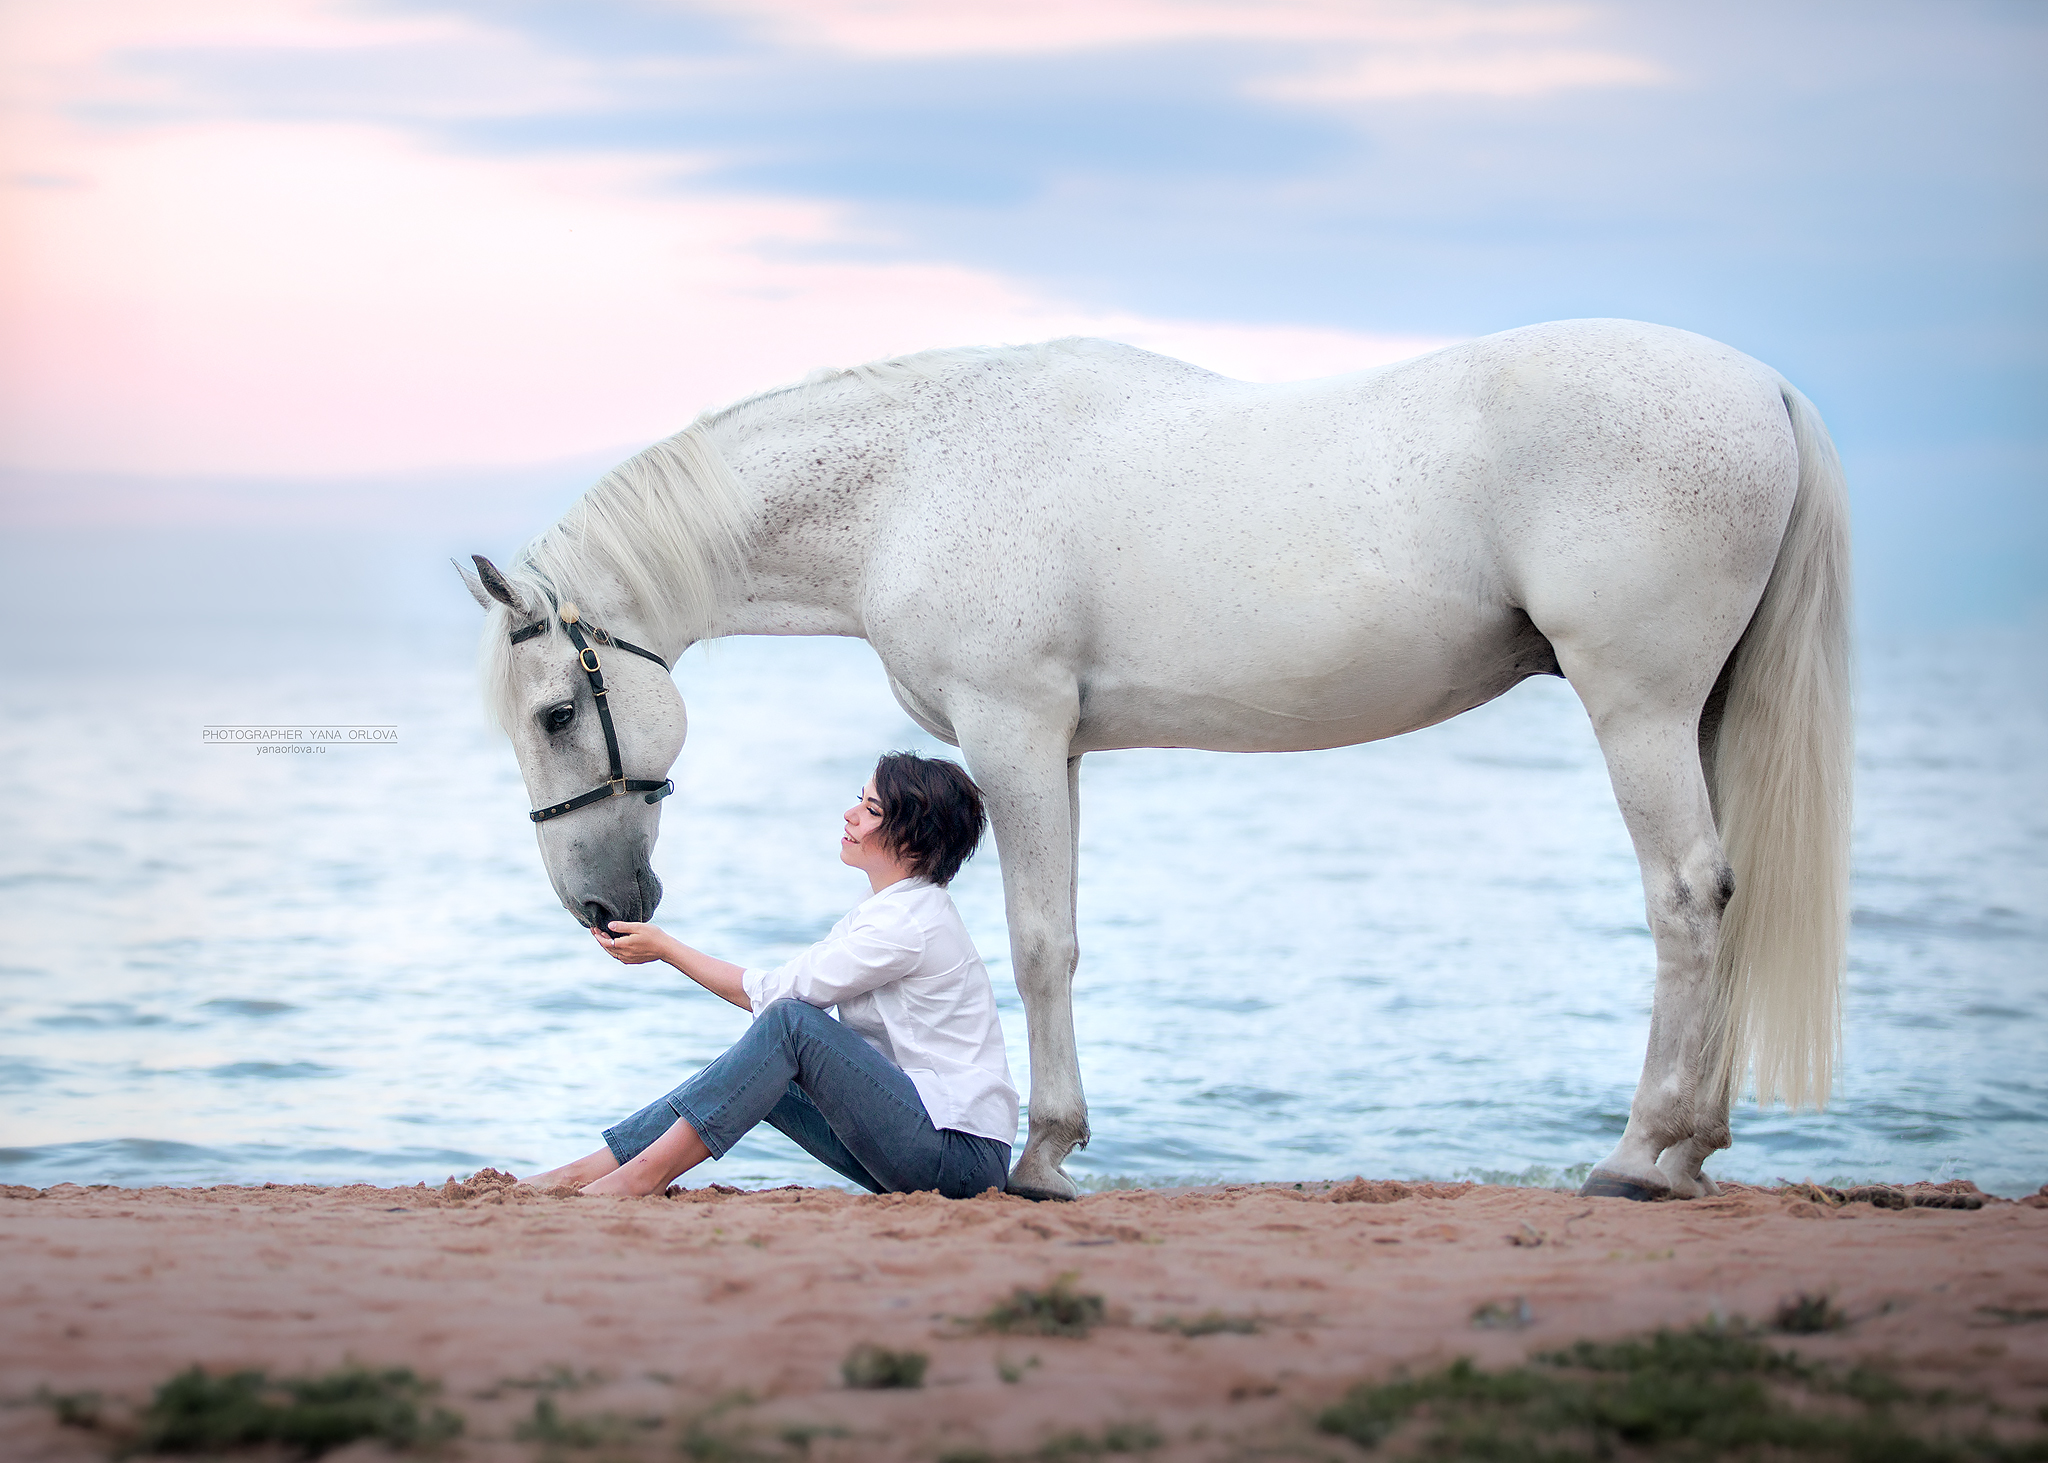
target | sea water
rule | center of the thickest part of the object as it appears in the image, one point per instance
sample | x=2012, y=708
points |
x=1425, y=957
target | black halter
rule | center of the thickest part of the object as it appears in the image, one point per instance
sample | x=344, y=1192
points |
x=617, y=783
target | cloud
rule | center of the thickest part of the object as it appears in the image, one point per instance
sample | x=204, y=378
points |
x=113, y=64
x=1392, y=49
x=1526, y=73
x=982, y=27
x=243, y=239
x=330, y=299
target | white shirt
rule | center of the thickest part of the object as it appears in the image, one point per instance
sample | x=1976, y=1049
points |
x=905, y=976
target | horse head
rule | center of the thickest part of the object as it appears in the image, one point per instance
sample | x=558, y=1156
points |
x=595, y=722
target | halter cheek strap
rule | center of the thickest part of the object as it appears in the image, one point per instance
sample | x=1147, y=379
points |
x=616, y=783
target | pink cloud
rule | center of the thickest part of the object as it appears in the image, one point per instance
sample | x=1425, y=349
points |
x=333, y=299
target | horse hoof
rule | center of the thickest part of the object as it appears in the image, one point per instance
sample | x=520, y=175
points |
x=1613, y=1186
x=1040, y=1189
x=1039, y=1195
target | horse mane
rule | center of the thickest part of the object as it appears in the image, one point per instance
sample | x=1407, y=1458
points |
x=653, y=543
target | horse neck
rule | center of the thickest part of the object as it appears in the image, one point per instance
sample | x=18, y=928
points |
x=814, y=465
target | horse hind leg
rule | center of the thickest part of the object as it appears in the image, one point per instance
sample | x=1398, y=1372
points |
x=1679, y=1115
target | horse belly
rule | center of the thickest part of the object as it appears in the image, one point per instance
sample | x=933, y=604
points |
x=1296, y=691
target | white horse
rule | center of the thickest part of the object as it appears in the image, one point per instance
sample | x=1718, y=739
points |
x=1073, y=547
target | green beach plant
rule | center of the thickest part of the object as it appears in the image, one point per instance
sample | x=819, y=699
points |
x=199, y=1412
x=873, y=1368
x=1054, y=1310
x=1710, y=1392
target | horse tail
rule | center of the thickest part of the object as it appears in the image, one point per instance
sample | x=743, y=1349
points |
x=1778, y=768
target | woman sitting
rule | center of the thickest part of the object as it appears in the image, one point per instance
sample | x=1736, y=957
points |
x=910, y=1088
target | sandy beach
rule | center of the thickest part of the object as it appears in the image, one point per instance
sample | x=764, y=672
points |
x=718, y=1321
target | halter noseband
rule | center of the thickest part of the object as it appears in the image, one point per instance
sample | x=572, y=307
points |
x=617, y=784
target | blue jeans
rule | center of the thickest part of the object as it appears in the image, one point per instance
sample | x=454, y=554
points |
x=839, y=1099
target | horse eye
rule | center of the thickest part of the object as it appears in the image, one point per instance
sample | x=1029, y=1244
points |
x=559, y=717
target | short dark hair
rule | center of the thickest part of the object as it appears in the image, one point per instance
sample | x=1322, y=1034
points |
x=931, y=813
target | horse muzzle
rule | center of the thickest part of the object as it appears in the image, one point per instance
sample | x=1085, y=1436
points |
x=634, y=900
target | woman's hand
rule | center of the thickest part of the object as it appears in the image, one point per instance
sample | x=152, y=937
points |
x=636, y=944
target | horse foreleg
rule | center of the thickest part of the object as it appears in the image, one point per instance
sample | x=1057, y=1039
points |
x=1032, y=788
x=1680, y=1112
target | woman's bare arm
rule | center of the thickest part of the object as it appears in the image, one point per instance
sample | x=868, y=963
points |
x=636, y=944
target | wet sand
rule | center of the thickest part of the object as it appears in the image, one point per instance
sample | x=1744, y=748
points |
x=730, y=1313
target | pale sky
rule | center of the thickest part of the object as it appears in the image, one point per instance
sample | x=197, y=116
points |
x=309, y=242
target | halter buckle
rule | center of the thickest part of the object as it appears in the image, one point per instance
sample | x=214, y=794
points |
x=588, y=659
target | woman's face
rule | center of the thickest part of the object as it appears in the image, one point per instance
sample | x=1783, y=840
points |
x=860, y=846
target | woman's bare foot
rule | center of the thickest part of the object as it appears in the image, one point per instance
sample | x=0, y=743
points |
x=620, y=1184
x=575, y=1175
x=663, y=1161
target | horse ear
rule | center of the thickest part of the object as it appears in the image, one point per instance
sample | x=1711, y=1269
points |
x=474, y=585
x=493, y=583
